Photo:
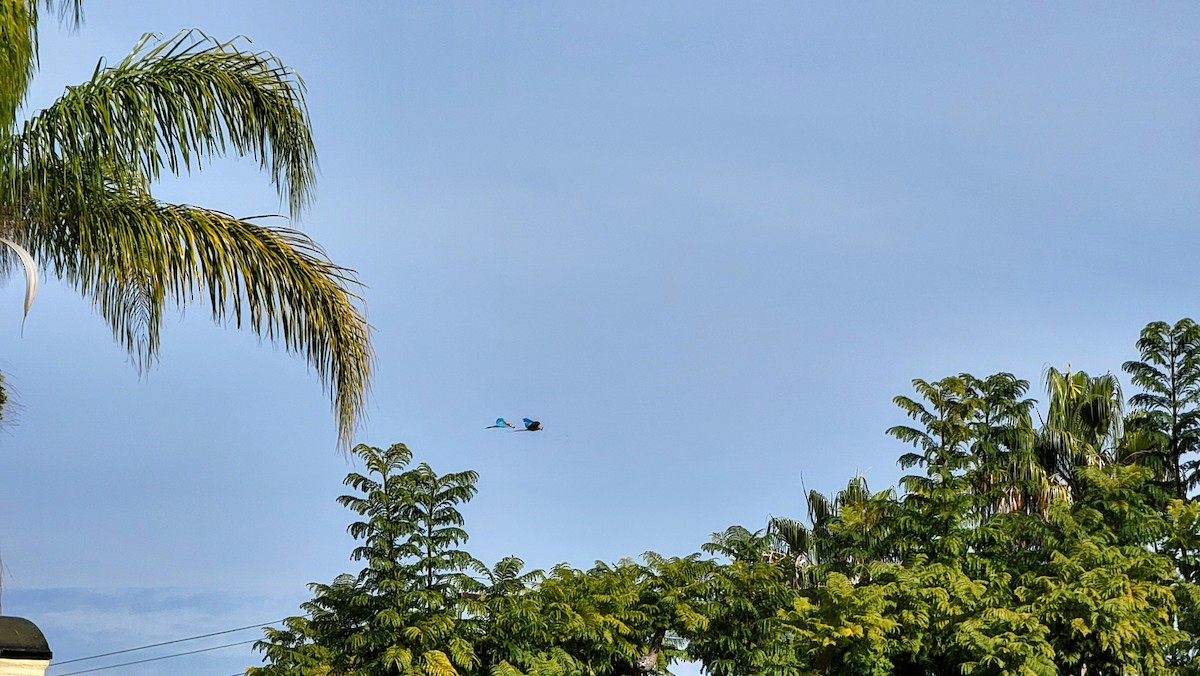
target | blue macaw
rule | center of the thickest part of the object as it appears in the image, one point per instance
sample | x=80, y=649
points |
x=501, y=422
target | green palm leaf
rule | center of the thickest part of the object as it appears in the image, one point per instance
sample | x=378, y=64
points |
x=19, y=46
x=134, y=257
x=167, y=105
x=74, y=194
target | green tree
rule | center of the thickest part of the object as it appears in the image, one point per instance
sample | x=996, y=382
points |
x=842, y=627
x=75, y=197
x=1169, y=375
x=745, y=632
x=1183, y=519
x=1082, y=427
x=518, y=631
x=1160, y=435
x=401, y=613
x=1101, y=589
x=1012, y=551
x=978, y=568
x=976, y=437
x=422, y=606
x=608, y=620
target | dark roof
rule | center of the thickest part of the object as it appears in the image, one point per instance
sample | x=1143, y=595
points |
x=20, y=639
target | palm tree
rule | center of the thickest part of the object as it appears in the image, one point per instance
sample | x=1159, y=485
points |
x=853, y=528
x=75, y=197
x=1082, y=427
x=979, y=448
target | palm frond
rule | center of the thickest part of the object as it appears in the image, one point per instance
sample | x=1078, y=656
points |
x=135, y=256
x=18, y=56
x=74, y=193
x=19, y=48
x=166, y=106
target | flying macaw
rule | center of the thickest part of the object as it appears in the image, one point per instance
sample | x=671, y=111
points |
x=531, y=425
x=501, y=422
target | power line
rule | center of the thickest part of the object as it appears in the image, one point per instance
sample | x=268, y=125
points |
x=158, y=645
x=163, y=657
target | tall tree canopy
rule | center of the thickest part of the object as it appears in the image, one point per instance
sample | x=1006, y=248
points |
x=422, y=606
x=1169, y=375
x=76, y=201
x=1061, y=546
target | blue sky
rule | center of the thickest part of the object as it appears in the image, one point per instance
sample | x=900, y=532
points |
x=705, y=244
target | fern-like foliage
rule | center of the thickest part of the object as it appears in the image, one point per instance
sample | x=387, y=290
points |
x=400, y=614
x=1168, y=429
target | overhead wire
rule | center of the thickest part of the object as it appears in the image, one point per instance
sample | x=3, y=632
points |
x=159, y=645
x=161, y=657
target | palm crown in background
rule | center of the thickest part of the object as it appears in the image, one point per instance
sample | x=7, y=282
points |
x=75, y=197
